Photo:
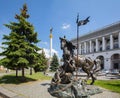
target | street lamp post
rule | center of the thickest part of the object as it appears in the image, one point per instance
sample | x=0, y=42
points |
x=79, y=23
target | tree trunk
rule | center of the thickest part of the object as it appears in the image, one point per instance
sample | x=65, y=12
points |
x=23, y=73
x=16, y=72
x=30, y=70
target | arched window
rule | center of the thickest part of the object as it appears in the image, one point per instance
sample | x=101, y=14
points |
x=115, y=61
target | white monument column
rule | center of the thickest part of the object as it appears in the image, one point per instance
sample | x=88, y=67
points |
x=119, y=39
x=103, y=43
x=51, y=36
x=85, y=47
x=111, y=41
x=96, y=44
x=90, y=46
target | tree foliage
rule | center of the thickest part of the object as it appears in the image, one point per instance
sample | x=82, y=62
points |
x=54, y=63
x=42, y=63
x=20, y=48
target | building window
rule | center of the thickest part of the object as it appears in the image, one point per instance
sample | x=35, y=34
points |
x=108, y=41
x=116, y=46
x=115, y=66
x=115, y=56
x=108, y=48
x=116, y=39
x=100, y=48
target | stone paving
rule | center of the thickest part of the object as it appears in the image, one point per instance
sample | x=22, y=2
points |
x=39, y=90
x=106, y=94
x=30, y=90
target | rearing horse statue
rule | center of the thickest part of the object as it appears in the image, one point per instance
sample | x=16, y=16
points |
x=87, y=64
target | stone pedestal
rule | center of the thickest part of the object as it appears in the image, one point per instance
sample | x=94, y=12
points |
x=75, y=89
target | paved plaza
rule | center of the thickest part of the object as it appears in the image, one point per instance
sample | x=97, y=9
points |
x=39, y=90
x=29, y=90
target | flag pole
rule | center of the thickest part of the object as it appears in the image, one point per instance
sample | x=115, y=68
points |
x=79, y=23
x=77, y=44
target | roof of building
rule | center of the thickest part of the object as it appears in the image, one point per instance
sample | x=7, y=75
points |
x=114, y=27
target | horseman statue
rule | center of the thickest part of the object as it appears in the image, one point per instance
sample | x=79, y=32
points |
x=71, y=62
x=64, y=79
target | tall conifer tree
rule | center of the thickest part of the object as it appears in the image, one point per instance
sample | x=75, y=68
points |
x=20, y=51
x=54, y=63
x=42, y=63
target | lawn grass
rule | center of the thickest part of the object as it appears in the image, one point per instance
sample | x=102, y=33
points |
x=12, y=79
x=39, y=76
x=112, y=85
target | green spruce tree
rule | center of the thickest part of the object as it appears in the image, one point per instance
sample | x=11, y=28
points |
x=20, y=50
x=42, y=63
x=54, y=63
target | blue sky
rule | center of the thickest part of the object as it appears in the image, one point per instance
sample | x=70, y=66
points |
x=61, y=15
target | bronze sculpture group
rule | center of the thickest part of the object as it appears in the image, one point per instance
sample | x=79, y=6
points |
x=65, y=84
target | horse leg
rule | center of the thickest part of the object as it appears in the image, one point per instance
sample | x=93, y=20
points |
x=93, y=79
x=88, y=75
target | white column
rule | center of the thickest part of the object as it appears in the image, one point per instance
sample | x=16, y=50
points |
x=111, y=41
x=85, y=47
x=90, y=46
x=96, y=44
x=50, y=47
x=103, y=43
x=80, y=49
x=51, y=43
x=119, y=39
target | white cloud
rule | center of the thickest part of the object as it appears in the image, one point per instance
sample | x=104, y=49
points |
x=54, y=51
x=47, y=52
x=1, y=50
x=44, y=43
x=65, y=26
